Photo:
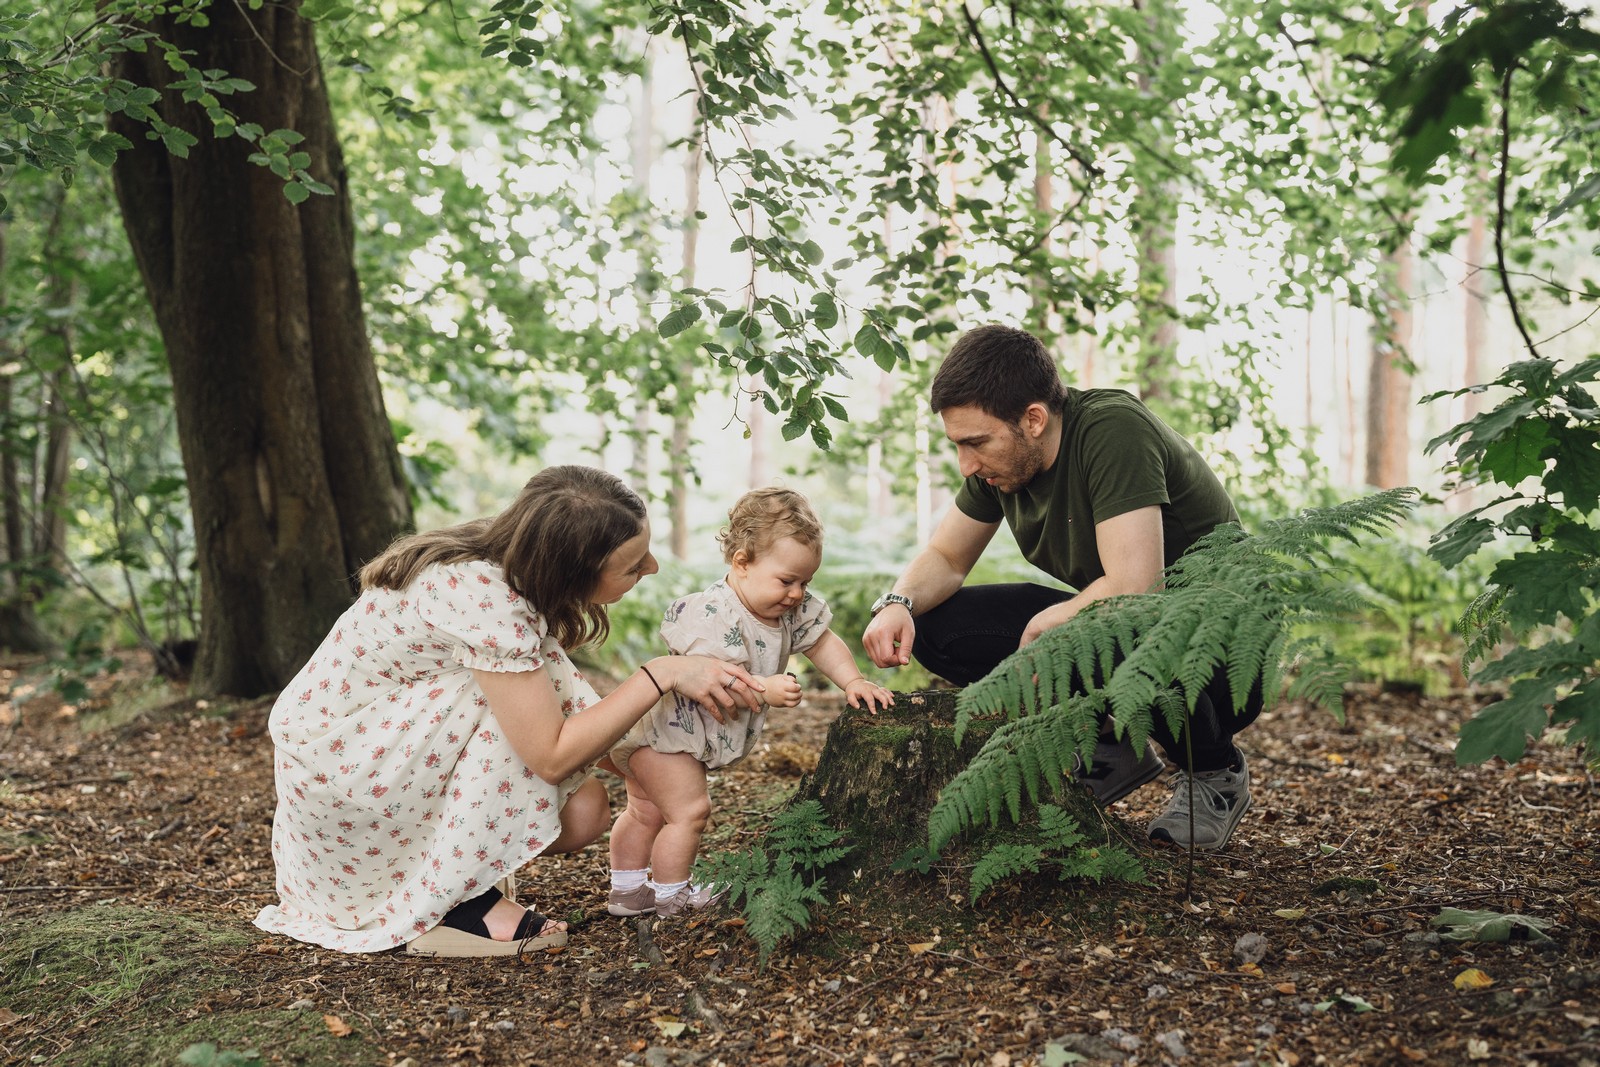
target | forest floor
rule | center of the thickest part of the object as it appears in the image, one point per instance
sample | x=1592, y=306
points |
x=134, y=851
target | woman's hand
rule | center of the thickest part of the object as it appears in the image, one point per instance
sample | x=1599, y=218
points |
x=861, y=692
x=717, y=686
x=783, y=690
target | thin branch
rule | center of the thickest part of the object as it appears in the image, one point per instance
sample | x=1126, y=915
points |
x=1500, y=208
x=265, y=44
x=1044, y=124
x=1592, y=313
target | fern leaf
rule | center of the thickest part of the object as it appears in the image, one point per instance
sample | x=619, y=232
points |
x=1001, y=862
x=1483, y=625
x=780, y=909
x=1058, y=830
x=975, y=796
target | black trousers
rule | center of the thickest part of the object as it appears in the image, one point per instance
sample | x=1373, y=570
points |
x=968, y=635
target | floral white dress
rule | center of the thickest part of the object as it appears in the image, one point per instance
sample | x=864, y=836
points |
x=398, y=794
x=716, y=623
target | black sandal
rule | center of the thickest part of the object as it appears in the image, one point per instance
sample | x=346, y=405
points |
x=462, y=932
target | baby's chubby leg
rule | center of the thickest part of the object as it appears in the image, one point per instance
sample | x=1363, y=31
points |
x=634, y=833
x=675, y=783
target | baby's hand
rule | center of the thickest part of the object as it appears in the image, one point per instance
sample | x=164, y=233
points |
x=861, y=692
x=783, y=690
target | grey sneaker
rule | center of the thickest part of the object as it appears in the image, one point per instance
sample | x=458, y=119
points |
x=1220, y=800
x=1116, y=771
x=690, y=898
x=640, y=900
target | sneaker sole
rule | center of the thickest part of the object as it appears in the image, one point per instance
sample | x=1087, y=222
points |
x=623, y=912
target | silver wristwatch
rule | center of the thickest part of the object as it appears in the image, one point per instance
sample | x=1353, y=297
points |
x=890, y=598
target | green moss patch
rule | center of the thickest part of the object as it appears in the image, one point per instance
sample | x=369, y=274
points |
x=120, y=985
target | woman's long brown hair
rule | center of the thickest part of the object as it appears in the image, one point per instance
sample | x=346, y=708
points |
x=552, y=543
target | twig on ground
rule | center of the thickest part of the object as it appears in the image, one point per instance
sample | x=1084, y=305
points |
x=63, y=888
x=122, y=776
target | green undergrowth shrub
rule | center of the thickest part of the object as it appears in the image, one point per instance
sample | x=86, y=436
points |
x=1254, y=604
x=1057, y=844
x=1539, y=448
x=1409, y=631
x=776, y=883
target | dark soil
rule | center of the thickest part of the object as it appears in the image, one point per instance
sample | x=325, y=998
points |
x=133, y=857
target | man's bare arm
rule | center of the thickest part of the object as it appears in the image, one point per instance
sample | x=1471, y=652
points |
x=932, y=576
x=1132, y=552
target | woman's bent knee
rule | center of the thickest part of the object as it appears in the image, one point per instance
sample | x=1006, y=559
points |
x=585, y=816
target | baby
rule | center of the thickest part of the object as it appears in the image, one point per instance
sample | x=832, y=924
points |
x=756, y=616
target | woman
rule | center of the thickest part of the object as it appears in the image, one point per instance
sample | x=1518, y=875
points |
x=440, y=737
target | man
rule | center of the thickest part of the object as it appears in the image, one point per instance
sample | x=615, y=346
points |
x=1100, y=494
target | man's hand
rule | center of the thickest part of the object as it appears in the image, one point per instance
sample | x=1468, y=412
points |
x=783, y=690
x=1048, y=619
x=887, y=639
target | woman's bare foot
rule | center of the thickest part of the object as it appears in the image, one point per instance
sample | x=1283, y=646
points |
x=504, y=918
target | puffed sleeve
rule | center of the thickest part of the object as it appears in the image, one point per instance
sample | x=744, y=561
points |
x=811, y=620
x=475, y=618
x=703, y=624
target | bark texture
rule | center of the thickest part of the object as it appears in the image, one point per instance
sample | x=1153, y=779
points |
x=880, y=775
x=294, y=477
x=1389, y=386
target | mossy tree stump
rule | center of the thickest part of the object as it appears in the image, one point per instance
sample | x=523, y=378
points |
x=880, y=775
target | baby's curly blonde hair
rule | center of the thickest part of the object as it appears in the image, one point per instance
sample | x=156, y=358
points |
x=763, y=517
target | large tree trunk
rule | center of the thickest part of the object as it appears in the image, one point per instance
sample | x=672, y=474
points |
x=19, y=622
x=294, y=478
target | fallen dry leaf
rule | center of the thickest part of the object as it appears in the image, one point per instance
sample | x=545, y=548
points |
x=920, y=947
x=1472, y=978
x=669, y=1026
x=337, y=1026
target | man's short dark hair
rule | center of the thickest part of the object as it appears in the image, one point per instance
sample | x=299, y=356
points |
x=1000, y=370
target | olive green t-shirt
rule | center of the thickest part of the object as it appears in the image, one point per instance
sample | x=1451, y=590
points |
x=1115, y=457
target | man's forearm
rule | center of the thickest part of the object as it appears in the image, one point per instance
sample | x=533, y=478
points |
x=929, y=580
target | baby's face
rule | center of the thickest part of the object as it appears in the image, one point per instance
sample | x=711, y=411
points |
x=773, y=584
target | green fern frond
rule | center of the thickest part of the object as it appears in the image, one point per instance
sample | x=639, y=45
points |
x=781, y=909
x=1482, y=625
x=802, y=834
x=1256, y=639
x=1002, y=862
x=1199, y=662
x=976, y=796
x=776, y=882
x=741, y=874
x=1058, y=830
x=1100, y=863
x=1232, y=602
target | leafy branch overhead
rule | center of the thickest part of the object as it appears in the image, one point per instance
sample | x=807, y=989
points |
x=1250, y=603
